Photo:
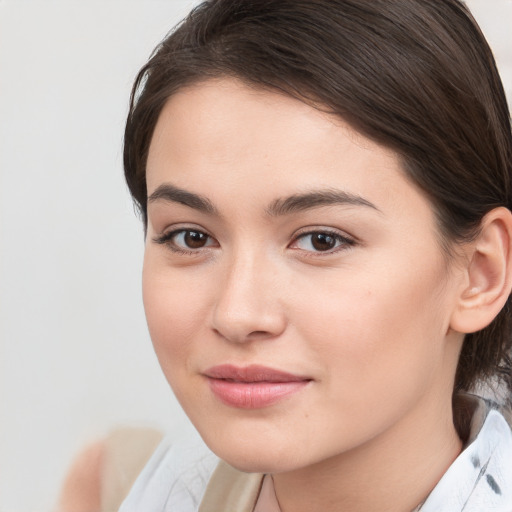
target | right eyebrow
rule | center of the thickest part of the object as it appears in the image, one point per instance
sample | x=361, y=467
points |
x=170, y=193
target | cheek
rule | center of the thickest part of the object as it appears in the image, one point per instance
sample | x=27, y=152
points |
x=371, y=328
x=172, y=311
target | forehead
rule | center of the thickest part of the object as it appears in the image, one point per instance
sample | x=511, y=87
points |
x=224, y=121
x=218, y=115
x=237, y=144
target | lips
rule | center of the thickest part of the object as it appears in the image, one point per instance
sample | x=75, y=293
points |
x=252, y=387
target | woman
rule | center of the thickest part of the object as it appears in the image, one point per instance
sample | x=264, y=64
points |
x=325, y=188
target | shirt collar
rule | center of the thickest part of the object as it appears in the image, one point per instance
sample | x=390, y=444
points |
x=481, y=476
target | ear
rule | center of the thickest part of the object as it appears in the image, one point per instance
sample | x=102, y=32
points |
x=488, y=274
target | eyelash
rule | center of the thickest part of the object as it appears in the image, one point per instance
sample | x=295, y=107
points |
x=167, y=239
x=343, y=242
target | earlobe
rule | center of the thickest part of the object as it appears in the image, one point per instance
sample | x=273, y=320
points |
x=488, y=274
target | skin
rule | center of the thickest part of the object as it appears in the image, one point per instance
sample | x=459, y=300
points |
x=368, y=322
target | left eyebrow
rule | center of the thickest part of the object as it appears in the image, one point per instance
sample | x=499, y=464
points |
x=316, y=199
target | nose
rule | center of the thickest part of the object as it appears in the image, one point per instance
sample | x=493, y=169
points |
x=249, y=302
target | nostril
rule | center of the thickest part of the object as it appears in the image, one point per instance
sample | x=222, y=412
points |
x=241, y=337
x=259, y=333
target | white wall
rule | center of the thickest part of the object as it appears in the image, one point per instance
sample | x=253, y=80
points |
x=75, y=358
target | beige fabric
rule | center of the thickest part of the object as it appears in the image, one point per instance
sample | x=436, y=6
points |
x=230, y=490
x=126, y=452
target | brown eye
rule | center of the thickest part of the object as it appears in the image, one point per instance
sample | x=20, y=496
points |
x=194, y=239
x=186, y=240
x=322, y=241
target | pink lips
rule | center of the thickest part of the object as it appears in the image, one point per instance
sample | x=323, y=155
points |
x=252, y=387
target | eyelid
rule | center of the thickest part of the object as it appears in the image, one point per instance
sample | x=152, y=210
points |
x=166, y=238
x=346, y=240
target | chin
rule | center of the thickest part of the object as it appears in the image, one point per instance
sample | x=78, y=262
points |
x=256, y=456
x=258, y=463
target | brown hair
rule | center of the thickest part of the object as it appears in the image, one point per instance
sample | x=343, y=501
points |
x=414, y=75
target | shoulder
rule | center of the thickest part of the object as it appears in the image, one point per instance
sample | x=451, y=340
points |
x=102, y=473
x=175, y=478
x=81, y=489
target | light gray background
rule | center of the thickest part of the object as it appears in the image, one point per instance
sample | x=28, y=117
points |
x=75, y=357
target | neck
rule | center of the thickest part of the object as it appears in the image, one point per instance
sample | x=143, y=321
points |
x=393, y=472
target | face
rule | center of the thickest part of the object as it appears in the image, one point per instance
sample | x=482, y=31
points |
x=293, y=280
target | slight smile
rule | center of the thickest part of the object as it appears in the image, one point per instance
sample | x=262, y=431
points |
x=252, y=387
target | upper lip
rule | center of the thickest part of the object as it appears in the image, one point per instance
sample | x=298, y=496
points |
x=251, y=373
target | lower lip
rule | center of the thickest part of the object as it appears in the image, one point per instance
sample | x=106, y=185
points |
x=253, y=395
